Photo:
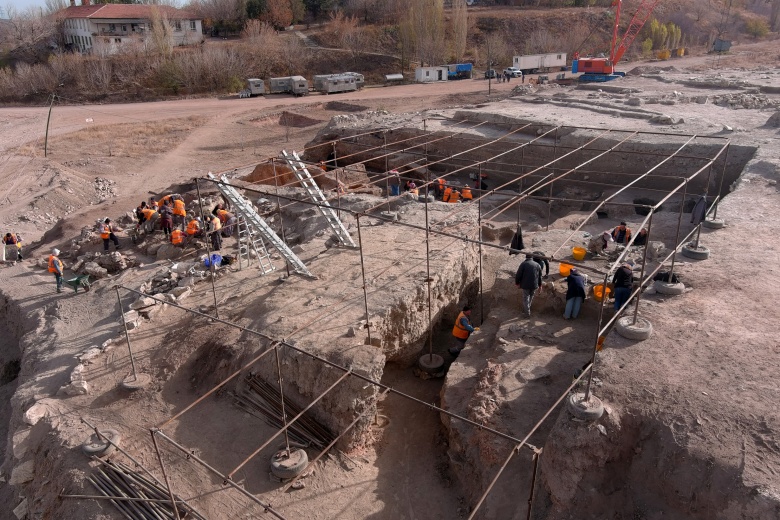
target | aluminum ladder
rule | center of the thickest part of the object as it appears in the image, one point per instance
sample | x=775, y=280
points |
x=259, y=226
x=249, y=241
x=303, y=175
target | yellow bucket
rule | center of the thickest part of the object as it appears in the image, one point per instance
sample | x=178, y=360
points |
x=598, y=292
x=564, y=269
x=578, y=253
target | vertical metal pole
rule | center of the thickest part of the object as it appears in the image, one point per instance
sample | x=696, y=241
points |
x=387, y=179
x=549, y=207
x=706, y=192
x=335, y=160
x=598, y=338
x=281, y=395
x=338, y=194
x=644, y=262
x=479, y=235
x=677, y=236
x=279, y=210
x=238, y=240
x=127, y=335
x=428, y=279
x=48, y=119
x=720, y=185
x=363, y=272
x=208, y=249
x=165, y=476
x=533, y=484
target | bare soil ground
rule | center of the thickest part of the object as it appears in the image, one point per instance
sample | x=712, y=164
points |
x=712, y=352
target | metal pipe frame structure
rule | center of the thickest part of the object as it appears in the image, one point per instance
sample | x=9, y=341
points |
x=546, y=180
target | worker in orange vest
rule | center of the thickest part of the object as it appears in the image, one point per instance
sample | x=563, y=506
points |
x=465, y=193
x=177, y=237
x=107, y=234
x=150, y=219
x=193, y=228
x=439, y=187
x=55, y=266
x=179, y=213
x=621, y=234
x=447, y=193
x=461, y=331
x=454, y=197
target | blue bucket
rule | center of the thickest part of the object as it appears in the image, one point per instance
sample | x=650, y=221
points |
x=215, y=259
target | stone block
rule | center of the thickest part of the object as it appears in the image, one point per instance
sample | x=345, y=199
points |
x=94, y=270
x=74, y=388
x=22, y=473
x=168, y=251
x=77, y=374
x=180, y=292
x=634, y=102
x=142, y=303
x=21, y=443
x=89, y=354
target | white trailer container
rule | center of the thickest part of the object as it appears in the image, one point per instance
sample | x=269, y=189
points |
x=360, y=80
x=296, y=85
x=334, y=83
x=532, y=63
x=256, y=87
x=430, y=74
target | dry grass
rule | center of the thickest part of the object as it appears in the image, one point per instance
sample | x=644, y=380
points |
x=123, y=140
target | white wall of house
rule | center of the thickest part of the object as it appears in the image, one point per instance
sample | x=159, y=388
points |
x=430, y=74
x=83, y=33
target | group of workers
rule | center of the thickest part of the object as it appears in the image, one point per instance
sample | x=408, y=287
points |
x=536, y=267
x=450, y=193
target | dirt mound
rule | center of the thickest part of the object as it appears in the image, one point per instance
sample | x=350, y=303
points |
x=339, y=106
x=296, y=120
x=650, y=69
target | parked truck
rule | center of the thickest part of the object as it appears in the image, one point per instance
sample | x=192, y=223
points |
x=533, y=63
x=459, y=71
x=296, y=85
x=334, y=83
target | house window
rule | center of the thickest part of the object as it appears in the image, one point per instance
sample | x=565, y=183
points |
x=117, y=40
x=112, y=27
x=427, y=73
x=124, y=28
x=192, y=25
x=177, y=25
x=559, y=56
x=90, y=40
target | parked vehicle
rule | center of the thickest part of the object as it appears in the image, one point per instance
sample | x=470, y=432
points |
x=513, y=72
x=459, y=71
x=296, y=85
x=490, y=74
x=334, y=83
x=255, y=87
x=360, y=80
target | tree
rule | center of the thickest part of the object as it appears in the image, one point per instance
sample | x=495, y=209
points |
x=460, y=28
x=278, y=13
x=30, y=32
x=161, y=33
x=757, y=28
x=426, y=21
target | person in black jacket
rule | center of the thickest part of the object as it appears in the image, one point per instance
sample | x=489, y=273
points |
x=641, y=237
x=528, y=278
x=623, y=282
x=575, y=294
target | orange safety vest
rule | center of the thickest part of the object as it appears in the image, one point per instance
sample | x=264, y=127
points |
x=458, y=331
x=466, y=194
x=179, y=208
x=454, y=196
x=161, y=202
x=105, y=231
x=441, y=182
x=193, y=227
x=177, y=237
x=446, y=196
x=148, y=213
x=223, y=215
x=53, y=266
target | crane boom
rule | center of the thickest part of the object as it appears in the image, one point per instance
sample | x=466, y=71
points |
x=637, y=22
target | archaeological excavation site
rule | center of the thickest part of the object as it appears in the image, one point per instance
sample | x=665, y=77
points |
x=302, y=361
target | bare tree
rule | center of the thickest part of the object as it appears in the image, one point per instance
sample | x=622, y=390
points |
x=29, y=32
x=426, y=19
x=161, y=33
x=460, y=28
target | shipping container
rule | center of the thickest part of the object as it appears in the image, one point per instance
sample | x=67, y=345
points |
x=533, y=63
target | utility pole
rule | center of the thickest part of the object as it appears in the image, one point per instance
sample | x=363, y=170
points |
x=490, y=67
x=46, y=139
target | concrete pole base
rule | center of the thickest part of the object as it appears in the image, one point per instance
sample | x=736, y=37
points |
x=590, y=410
x=137, y=382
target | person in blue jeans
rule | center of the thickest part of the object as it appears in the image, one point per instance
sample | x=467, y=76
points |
x=575, y=294
x=623, y=280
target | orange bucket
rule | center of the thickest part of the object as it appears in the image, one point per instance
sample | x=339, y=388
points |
x=564, y=269
x=598, y=292
x=578, y=253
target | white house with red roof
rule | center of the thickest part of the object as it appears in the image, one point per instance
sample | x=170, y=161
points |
x=86, y=26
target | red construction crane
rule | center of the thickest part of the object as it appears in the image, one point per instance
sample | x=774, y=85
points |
x=603, y=69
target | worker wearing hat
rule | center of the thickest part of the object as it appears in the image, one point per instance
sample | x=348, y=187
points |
x=107, y=234
x=55, y=267
x=622, y=233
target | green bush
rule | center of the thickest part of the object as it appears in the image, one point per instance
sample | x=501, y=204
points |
x=756, y=28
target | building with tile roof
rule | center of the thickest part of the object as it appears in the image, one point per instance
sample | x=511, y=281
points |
x=87, y=25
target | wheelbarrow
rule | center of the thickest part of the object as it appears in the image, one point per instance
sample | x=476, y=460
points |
x=79, y=281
